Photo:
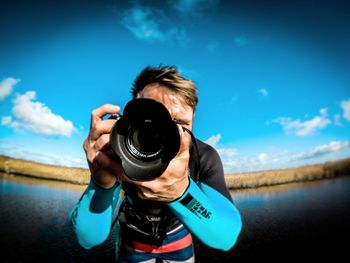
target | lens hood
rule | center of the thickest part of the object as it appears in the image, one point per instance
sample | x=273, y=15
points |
x=145, y=138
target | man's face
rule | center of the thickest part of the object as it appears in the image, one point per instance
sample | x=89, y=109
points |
x=176, y=105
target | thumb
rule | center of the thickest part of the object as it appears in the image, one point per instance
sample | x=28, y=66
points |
x=185, y=140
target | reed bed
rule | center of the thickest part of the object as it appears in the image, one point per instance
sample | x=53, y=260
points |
x=44, y=171
x=283, y=176
x=234, y=181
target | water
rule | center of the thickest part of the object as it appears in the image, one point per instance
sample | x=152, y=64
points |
x=294, y=220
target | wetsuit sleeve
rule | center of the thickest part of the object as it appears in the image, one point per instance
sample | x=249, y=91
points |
x=211, y=169
x=92, y=217
x=209, y=215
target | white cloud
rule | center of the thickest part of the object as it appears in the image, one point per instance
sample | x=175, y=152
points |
x=42, y=157
x=284, y=159
x=145, y=24
x=305, y=128
x=226, y=153
x=263, y=92
x=262, y=157
x=6, y=87
x=6, y=120
x=332, y=147
x=37, y=117
x=142, y=23
x=9, y=122
x=276, y=158
x=192, y=7
x=345, y=105
x=240, y=163
x=213, y=140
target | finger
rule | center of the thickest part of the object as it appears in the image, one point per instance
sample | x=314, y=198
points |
x=102, y=143
x=101, y=127
x=97, y=114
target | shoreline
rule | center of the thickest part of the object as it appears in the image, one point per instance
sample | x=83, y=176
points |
x=32, y=169
x=305, y=173
x=80, y=176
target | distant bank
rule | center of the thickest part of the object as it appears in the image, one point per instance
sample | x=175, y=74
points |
x=81, y=176
x=300, y=174
x=44, y=171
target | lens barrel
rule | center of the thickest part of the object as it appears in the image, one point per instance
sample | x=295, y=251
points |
x=145, y=138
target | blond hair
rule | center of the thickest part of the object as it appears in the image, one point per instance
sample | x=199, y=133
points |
x=169, y=77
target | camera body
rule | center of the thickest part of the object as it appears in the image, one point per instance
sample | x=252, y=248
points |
x=145, y=138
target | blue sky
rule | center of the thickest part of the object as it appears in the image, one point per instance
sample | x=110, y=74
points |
x=273, y=76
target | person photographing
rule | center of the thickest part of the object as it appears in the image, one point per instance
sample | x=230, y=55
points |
x=151, y=176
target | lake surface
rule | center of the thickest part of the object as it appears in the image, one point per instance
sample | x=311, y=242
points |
x=289, y=221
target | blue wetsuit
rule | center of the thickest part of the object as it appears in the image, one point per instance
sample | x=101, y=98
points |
x=162, y=230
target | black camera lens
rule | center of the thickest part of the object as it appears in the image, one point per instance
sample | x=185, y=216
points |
x=145, y=139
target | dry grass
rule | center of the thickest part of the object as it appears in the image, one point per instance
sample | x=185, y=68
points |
x=275, y=177
x=44, y=171
x=234, y=181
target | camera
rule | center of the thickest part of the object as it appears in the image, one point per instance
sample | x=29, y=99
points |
x=145, y=138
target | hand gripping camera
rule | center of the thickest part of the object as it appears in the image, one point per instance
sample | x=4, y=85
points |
x=145, y=138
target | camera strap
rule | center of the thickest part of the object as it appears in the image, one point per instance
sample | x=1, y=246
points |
x=155, y=223
x=195, y=153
